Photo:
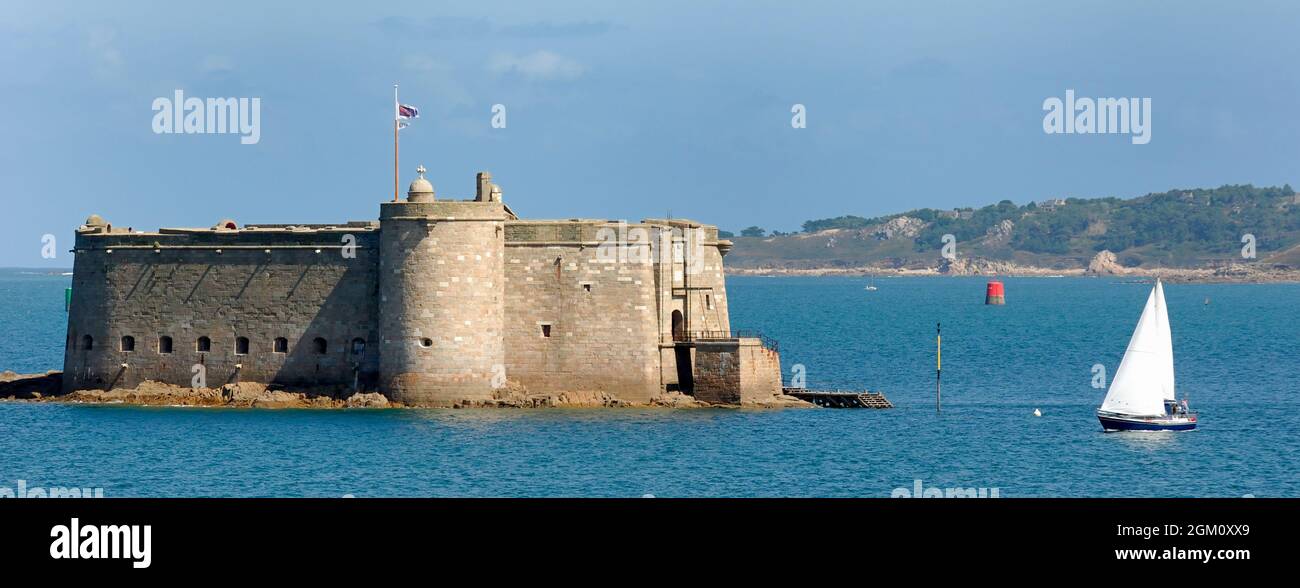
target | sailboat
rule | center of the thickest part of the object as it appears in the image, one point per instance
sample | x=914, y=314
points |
x=872, y=285
x=1141, y=397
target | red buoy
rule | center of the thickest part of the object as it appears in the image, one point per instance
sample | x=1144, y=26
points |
x=994, y=294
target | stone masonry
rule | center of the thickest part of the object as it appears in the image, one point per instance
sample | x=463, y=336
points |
x=439, y=303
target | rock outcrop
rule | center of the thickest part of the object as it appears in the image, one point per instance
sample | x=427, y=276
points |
x=901, y=226
x=1104, y=263
x=46, y=388
x=239, y=394
x=999, y=234
x=367, y=400
x=975, y=266
x=30, y=386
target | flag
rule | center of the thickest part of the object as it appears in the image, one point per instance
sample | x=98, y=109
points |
x=405, y=113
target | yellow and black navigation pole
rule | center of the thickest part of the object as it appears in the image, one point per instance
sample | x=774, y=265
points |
x=938, y=368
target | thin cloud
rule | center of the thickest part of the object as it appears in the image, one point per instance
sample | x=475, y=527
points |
x=438, y=78
x=218, y=64
x=552, y=30
x=923, y=69
x=101, y=44
x=439, y=27
x=455, y=27
x=539, y=65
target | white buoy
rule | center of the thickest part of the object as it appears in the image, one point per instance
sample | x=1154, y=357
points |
x=1038, y=412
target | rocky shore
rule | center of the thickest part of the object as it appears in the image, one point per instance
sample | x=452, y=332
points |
x=1103, y=263
x=47, y=388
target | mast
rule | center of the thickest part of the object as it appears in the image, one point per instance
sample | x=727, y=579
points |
x=1168, y=383
x=396, y=111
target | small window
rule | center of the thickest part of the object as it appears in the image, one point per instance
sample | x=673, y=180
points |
x=241, y=345
x=87, y=342
x=319, y=346
x=128, y=343
x=586, y=287
x=426, y=342
x=203, y=345
x=281, y=345
x=164, y=344
x=358, y=346
x=546, y=330
x=708, y=302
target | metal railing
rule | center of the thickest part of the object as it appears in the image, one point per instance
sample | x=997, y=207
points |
x=693, y=336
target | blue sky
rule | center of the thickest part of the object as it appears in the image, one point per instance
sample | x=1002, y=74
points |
x=628, y=110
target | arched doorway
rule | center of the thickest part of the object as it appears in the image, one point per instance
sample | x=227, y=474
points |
x=679, y=326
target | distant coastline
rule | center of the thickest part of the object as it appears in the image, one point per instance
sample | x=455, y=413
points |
x=1240, y=273
x=1233, y=233
x=39, y=271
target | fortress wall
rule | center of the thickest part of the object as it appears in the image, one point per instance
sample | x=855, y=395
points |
x=87, y=314
x=188, y=290
x=717, y=372
x=736, y=371
x=602, y=315
x=708, y=295
x=760, y=373
x=695, y=271
x=459, y=293
x=442, y=307
x=693, y=286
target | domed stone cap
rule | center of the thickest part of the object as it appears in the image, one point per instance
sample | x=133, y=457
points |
x=95, y=220
x=421, y=190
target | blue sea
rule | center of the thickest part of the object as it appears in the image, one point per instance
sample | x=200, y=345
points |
x=1236, y=357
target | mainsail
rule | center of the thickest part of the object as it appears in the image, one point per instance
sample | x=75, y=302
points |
x=1145, y=379
x=1167, y=369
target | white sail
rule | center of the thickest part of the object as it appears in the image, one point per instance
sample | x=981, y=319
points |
x=1167, y=369
x=1145, y=378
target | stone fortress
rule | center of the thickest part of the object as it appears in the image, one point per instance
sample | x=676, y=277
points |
x=438, y=303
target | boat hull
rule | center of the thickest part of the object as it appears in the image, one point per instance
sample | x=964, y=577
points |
x=1111, y=422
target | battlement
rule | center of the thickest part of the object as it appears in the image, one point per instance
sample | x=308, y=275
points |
x=517, y=231
x=443, y=210
x=588, y=231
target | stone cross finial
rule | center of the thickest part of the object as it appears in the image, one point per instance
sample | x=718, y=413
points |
x=420, y=170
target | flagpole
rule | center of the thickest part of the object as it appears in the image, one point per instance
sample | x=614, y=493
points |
x=395, y=180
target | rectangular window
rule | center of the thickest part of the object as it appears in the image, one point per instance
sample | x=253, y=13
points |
x=164, y=344
x=546, y=330
x=281, y=345
x=708, y=302
x=241, y=345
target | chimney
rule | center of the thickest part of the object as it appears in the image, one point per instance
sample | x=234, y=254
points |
x=484, y=193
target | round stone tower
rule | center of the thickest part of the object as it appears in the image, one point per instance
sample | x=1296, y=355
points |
x=441, y=306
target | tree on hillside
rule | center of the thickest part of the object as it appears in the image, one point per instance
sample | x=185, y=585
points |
x=753, y=232
x=839, y=222
x=1184, y=223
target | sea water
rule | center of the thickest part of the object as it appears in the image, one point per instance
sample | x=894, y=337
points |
x=1236, y=357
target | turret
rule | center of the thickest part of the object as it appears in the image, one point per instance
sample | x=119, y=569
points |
x=441, y=307
x=421, y=190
